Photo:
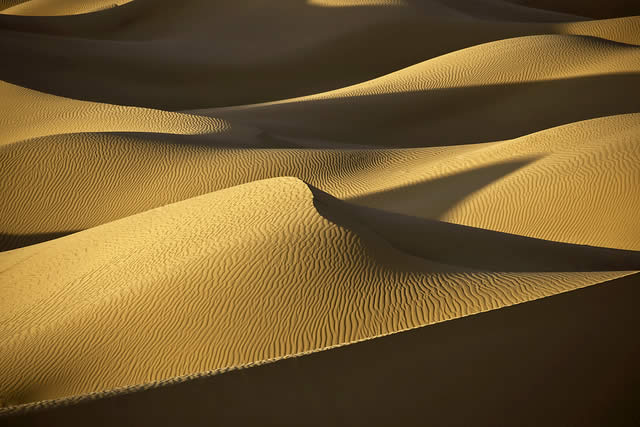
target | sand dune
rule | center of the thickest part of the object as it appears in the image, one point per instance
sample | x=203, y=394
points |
x=248, y=274
x=506, y=92
x=270, y=51
x=538, y=185
x=29, y=114
x=501, y=382
x=219, y=206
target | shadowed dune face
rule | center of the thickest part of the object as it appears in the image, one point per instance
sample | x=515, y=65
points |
x=211, y=208
x=14, y=241
x=591, y=8
x=482, y=249
x=279, y=51
x=444, y=116
x=450, y=190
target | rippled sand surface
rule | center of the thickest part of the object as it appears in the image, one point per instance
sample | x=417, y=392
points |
x=319, y=212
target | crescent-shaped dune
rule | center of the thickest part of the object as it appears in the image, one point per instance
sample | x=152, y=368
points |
x=211, y=208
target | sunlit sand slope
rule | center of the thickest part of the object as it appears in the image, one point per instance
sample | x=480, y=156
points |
x=27, y=114
x=539, y=186
x=5, y=4
x=242, y=275
x=395, y=379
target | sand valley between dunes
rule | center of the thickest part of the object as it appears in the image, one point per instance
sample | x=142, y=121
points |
x=319, y=212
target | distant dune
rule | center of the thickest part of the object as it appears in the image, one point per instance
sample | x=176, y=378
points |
x=210, y=208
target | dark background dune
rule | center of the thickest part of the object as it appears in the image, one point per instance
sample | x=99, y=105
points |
x=598, y=9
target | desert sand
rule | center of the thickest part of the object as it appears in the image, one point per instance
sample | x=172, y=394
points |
x=319, y=212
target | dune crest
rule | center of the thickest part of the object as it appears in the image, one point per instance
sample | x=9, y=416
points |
x=232, y=260
x=460, y=184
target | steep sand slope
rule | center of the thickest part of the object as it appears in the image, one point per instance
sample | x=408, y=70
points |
x=560, y=184
x=424, y=374
x=235, y=53
x=242, y=275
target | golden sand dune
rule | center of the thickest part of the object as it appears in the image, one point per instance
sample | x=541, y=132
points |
x=29, y=114
x=347, y=386
x=246, y=274
x=538, y=185
x=207, y=206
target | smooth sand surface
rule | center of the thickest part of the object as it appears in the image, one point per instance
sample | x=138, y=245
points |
x=190, y=190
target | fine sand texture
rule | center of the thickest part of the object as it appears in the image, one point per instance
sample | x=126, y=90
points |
x=319, y=212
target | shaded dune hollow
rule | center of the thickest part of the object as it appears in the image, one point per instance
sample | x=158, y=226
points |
x=319, y=212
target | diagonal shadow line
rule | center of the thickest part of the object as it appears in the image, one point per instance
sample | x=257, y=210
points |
x=445, y=117
x=451, y=190
x=471, y=247
x=14, y=241
x=435, y=197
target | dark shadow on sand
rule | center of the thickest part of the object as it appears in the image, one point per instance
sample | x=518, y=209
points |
x=476, y=248
x=15, y=241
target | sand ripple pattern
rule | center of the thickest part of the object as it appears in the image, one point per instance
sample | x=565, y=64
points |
x=280, y=178
x=245, y=274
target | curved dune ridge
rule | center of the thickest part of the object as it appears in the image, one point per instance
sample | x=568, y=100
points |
x=250, y=273
x=194, y=189
x=271, y=50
